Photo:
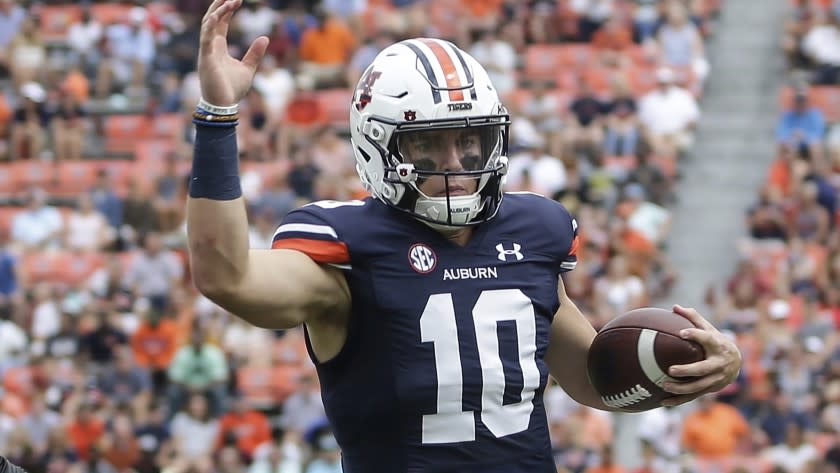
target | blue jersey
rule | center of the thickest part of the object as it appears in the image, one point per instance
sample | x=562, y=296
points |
x=442, y=369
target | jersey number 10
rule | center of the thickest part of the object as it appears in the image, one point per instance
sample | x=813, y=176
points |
x=437, y=324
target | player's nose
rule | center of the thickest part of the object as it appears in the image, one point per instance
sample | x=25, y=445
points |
x=452, y=161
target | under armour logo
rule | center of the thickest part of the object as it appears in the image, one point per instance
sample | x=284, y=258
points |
x=504, y=253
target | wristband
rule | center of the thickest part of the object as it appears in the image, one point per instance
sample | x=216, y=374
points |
x=215, y=168
x=217, y=110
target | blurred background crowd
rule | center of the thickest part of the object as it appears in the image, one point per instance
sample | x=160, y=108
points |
x=111, y=362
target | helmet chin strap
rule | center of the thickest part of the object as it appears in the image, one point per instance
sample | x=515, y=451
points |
x=460, y=210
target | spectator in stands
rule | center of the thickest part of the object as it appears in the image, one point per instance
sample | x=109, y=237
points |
x=120, y=445
x=779, y=415
x=324, y=49
x=366, y=53
x=125, y=383
x=497, y=56
x=650, y=220
x=12, y=16
x=668, y=114
x=621, y=121
x=155, y=343
x=38, y=423
x=83, y=38
x=39, y=225
x=304, y=407
x=821, y=44
x=649, y=175
x=255, y=19
x=261, y=233
x=534, y=170
x=593, y=14
x=198, y=367
x=811, y=222
x=244, y=427
x=139, y=214
x=275, y=461
x=27, y=53
x=766, y=218
x=129, y=53
x=10, y=277
x=154, y=271
x=257, y=127
x=802, y=127
x=542, y=111
x=85, y=429
x=612, y=40
x=795, y=455
x=275, y=85
x=327, y=455
x=68, y=127
x=194, y=434
x=106, y=201
x=681, y=44
x=585, y=132
x=65, y=343
x=30, y=123
x=617, y=291
x=100, y=344
x=15, y=340
x=86, y=229
x=715, y=430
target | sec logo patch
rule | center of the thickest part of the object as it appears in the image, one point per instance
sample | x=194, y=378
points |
x=421, y=258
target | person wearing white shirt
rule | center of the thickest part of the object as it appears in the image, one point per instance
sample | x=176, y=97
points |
x=129, y=53
x=276, y=84
x=498, y=57
x=668, y=114
x=38, y=226
x=822, y=45
x=255, y=19
x=87, y=229
x=533, y=170
x=83, y=38
x=795, y=455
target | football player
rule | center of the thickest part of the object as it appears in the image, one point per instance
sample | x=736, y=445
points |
x=433, y=310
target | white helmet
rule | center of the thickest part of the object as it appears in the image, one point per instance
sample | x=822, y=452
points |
x=421, y=85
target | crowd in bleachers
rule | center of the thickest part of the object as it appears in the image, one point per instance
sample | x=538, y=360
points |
x=111, y=362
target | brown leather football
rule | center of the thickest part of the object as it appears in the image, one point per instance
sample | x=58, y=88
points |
x=629, y=359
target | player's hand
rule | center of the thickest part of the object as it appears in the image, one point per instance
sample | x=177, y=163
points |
x=716, y=371
x=225, y=80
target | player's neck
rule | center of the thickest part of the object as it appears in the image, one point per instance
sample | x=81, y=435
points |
x=461, y=236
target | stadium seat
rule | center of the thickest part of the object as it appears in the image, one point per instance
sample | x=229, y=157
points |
x=63, y=267
x=333, y=103
x=56, y=21
x=123, y=132
x=266, y=385
x=28, y=173
x=825, y=98
x=543, y=61
x=74, y=177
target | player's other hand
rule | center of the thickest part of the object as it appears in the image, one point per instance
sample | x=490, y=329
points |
x=225, y=80
x=716, y=371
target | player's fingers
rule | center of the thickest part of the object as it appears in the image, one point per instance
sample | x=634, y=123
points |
x=255, y=53
x=210, y=26
x=224, y=20
x=212, y=8
x=696, y=385
x=705, y=338
x=694, y=317
x=701, y=368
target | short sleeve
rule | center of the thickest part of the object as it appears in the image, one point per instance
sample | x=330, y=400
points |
x=305, y=231
x=570, y=241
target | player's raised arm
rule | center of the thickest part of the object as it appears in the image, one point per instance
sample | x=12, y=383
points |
x=269, y=288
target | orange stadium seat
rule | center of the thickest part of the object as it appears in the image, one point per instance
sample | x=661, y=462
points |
x=64, y=267
x=333, y=103
x=18, y=380
x=74, y=177
x=266, y=385
x=29, y=173
x=825, y=98
x=153, y=150
x=543, y=61
x=7, y=213
x=123, y=132
x=56, y=20
x=305, y=110
x=120, y=172
x=108, y=13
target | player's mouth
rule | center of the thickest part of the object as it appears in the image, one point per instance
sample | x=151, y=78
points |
x=453, y=191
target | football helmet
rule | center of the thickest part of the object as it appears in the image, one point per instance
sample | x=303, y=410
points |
x=425, y=116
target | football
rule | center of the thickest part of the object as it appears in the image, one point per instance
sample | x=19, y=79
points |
x=629, y=359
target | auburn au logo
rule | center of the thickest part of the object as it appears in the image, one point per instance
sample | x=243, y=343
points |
x=364, y=88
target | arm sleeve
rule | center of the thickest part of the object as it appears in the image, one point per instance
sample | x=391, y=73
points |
x=305, y=231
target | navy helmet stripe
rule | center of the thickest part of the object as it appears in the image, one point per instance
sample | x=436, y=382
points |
x=430, y=72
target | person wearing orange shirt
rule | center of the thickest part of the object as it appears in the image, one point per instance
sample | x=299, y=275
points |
x=85, y=430
x=154, y=344
x=714, y=430
x=324, y=52
x=245, y=427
